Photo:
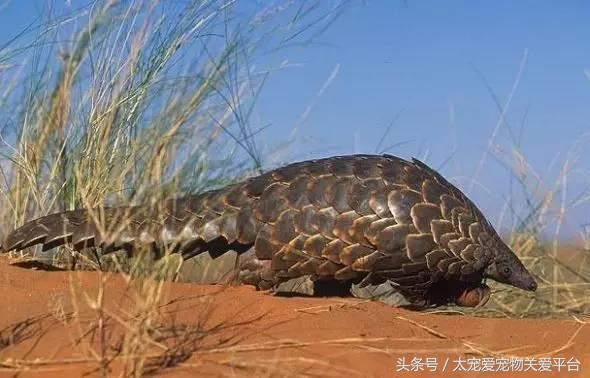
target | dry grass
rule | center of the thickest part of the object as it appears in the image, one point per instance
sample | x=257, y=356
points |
x=535, y=216
x=131, y=102
x=137, y=104
x=537, y=220
x=125, y=336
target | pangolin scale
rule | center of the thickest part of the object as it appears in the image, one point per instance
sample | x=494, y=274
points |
x=357, y=218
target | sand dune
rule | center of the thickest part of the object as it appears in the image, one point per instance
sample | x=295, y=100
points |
x=236, y=331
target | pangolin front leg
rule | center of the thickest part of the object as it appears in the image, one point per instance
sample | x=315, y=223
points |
x=476, y=296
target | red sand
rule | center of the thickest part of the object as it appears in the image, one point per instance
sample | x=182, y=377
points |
x=264, y=335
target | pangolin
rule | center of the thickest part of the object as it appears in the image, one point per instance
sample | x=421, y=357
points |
x=347, y=219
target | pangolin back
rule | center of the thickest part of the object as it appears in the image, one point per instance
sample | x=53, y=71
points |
x=347, y=218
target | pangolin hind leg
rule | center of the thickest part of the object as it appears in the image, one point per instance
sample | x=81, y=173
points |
x=252, y=271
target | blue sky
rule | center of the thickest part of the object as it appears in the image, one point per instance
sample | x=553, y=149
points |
x=429, y=67
x=426, y=66
x=422, y=59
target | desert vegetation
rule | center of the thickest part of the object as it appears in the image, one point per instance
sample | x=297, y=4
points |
x=127, y=102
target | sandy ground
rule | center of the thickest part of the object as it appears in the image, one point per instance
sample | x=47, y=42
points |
x=48, y=327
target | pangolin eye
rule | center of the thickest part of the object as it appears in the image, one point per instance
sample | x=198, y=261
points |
x=506, y=271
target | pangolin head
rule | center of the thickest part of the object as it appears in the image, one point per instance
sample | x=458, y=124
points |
x=505, y=267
